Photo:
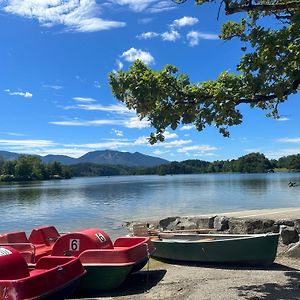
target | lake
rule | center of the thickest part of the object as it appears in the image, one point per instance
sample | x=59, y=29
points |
x=107, y=202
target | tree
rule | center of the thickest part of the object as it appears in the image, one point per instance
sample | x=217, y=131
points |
x=268, y=72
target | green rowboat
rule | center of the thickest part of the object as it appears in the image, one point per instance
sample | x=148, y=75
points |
x=217, y=248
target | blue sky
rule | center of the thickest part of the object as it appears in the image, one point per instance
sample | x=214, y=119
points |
x=55, y=98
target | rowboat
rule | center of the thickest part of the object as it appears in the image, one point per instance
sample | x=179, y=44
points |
x=52, y=277
x=108, y=264
x=217, y=248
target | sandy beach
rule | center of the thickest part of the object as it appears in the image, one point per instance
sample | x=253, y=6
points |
x=160, y=280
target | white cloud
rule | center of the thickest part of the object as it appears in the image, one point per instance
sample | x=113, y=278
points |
x=187, y=127
x=80, y=16
x=13, y=133
x=170, y=36
x=142, y=140
x=119, y=64
x=72, y=152
x=282, y=152
x=169, y=135
x=201, y=148
x=133, y=54
x=176, y=143
x=87, y=123
x=117, y=132
x=148, y=35
x=282, y=119
x=184, y=21
x=118, y=109
x=97, y=84
x=161, y=6
x=53, y=87
x=22, y=94
x=194, y=37
x=103, y=145
x=153, y=6
x=27, y=143
x=84, y=100
x=289, y=140
x=133, y=122
x=157, y=152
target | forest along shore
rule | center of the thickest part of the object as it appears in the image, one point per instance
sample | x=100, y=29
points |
x=179, y=281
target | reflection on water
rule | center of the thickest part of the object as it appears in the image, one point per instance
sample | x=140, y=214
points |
x=107, y=202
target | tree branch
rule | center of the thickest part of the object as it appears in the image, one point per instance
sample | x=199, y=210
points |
x=293, y=5
x=263, y=98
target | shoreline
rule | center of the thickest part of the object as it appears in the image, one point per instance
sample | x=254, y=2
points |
x=194, y=281
x=166, y=281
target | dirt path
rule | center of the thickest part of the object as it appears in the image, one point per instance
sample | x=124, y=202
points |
x=202, y=282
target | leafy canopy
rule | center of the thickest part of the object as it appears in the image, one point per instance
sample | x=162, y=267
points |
x=268, y=72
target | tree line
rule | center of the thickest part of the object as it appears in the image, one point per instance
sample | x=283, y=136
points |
x=29, y=167
x=250, y=163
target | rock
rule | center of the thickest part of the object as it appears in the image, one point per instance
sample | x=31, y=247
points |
x=203, y=222
x=297, y=225
x=169, y=223
x=248, y=226
x=221, y=223
x=290, y=223
x=186, y=223
x=294, y=251
x=289, y=235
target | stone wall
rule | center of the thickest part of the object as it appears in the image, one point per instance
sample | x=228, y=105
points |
x=289, y=229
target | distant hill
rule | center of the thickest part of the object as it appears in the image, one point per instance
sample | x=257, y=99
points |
x=108, y=157
x=63, y=159
x=9, y=155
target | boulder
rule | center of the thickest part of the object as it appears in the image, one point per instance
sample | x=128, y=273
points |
x=204, y=222
x=221, y=223
x=285, y=222
x=294, y=251
x=289, y=235
x=186, y=223
x=297, y=225
x=169, y=223
x=248, y=226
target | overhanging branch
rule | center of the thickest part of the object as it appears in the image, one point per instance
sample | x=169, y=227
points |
x=232, y=9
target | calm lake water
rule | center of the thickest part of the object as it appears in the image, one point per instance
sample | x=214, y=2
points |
x=106, y=202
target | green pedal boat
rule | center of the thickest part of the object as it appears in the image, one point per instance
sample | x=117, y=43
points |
x=108, y=264
x=217, y=248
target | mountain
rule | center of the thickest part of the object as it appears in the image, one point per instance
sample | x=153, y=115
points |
x=64, y=159
x=9, y=155
x=108, y=157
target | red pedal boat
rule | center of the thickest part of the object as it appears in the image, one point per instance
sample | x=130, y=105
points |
x=39, y=243
x=52, y=277
x=107, y=264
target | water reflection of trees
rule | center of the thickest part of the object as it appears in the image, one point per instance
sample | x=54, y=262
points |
x=21, y=195
x=255, y=183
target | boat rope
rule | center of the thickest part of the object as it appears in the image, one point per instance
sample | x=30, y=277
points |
x=148, y=268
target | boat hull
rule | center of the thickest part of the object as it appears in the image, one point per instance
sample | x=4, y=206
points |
x=257, y=249
x=101, y=278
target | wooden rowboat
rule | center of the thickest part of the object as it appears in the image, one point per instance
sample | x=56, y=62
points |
x=217, y=248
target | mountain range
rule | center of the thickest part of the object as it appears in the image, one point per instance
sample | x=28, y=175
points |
x=101, y=157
